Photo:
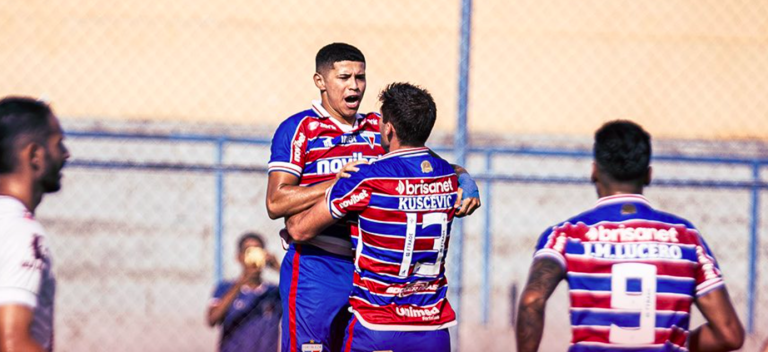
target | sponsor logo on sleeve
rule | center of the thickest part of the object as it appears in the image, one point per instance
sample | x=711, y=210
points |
x=354, y=199
x=297, y=144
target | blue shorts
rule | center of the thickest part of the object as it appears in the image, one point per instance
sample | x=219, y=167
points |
x=358, y=338
x=314, y=289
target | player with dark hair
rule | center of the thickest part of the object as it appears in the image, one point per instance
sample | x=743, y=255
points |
x=404, y=202
x=309, y=150
x=32, y=154
x=633, y=272
x=248, y=308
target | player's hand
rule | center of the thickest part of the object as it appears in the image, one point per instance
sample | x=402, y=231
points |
x=465, y=206
x=468, y=199
x=347, y=170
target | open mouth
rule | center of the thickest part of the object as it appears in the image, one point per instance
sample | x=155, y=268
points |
x=353, y=101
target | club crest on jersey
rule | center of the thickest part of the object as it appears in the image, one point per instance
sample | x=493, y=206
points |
x=312, y=347
x=426, y=167
x=370, y=138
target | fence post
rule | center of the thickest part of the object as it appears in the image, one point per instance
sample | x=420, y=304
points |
x=487, y=243
x=460, y=148
x=754, y=242
x=219, y=230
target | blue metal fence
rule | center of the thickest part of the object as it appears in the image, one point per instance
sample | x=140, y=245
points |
x=489, y=176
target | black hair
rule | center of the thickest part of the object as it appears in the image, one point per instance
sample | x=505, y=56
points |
x=249, y=236
x=623, y=150
x=22, y=120
x=335, y=52
x=411, y=110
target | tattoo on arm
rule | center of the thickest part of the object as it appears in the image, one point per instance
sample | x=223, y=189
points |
x=543, y=278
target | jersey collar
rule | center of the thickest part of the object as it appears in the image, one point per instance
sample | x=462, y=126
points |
x=622, y=198
x=11, y=204
x=317, y=107
x=404, y=151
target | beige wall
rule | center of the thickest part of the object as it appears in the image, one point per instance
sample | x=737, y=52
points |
x=684, y=68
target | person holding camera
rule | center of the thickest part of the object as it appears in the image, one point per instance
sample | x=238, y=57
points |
x=248, y=309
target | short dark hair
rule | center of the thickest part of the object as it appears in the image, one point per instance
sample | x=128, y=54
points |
x=335, y=52
x=623, y=150
x=411, y=110
x=249, y=236
x=22, y=120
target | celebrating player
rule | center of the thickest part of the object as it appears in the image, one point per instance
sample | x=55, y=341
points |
x=404, y=202
x=633, y=271
x=309, y=150
x=32, y=154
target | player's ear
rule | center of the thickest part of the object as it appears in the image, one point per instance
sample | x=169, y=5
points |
x=319, y=81
x=34, y=154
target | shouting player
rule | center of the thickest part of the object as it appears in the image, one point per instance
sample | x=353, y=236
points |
x=404, y=202
x=32, y=154
x=633, y=272
x=309, y=150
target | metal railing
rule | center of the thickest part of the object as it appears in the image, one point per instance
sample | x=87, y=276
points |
x=489, y=176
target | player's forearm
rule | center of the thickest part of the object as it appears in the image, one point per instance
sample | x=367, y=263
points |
x=706, y=339
x=288, y=200
x=308, y=224
x=530, y=323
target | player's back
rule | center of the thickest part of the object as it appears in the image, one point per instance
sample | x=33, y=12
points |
x=405, y=205
x=633, y=273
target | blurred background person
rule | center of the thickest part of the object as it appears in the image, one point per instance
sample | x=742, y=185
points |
x=248, y=309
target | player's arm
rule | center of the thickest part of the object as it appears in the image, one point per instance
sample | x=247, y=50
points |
x=285, y=197
x=15, y=323
x=469, y=195
x=543, y=278
x=308, y=224
x=723, y=330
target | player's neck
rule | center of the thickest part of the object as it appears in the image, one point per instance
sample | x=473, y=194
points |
x=21, y=188
x=618, y=189
x=337, y=116
x=395, y=145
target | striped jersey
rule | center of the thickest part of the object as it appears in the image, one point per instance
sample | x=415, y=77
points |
x=313, y=146
x=633, y=273
x=404, y=203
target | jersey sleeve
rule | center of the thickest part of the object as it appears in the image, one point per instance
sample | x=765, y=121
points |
x=288, y=150
x=21, y=265
x=551, y=244
x=708, y=274
x=349, y=194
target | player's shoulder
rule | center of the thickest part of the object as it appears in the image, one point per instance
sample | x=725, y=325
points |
x=298, y=118
x=672, y=219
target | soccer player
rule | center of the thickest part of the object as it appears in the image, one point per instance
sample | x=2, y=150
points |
x=404, y=202
x=248, y=309
x=32, y=154
x=633, y=271
x=309, y=150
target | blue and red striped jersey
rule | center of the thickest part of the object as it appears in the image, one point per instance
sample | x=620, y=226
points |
x=404, y=202
x=633, y=273
x=313, y=146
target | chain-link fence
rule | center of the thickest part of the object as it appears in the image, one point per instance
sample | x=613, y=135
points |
x=170, y=106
